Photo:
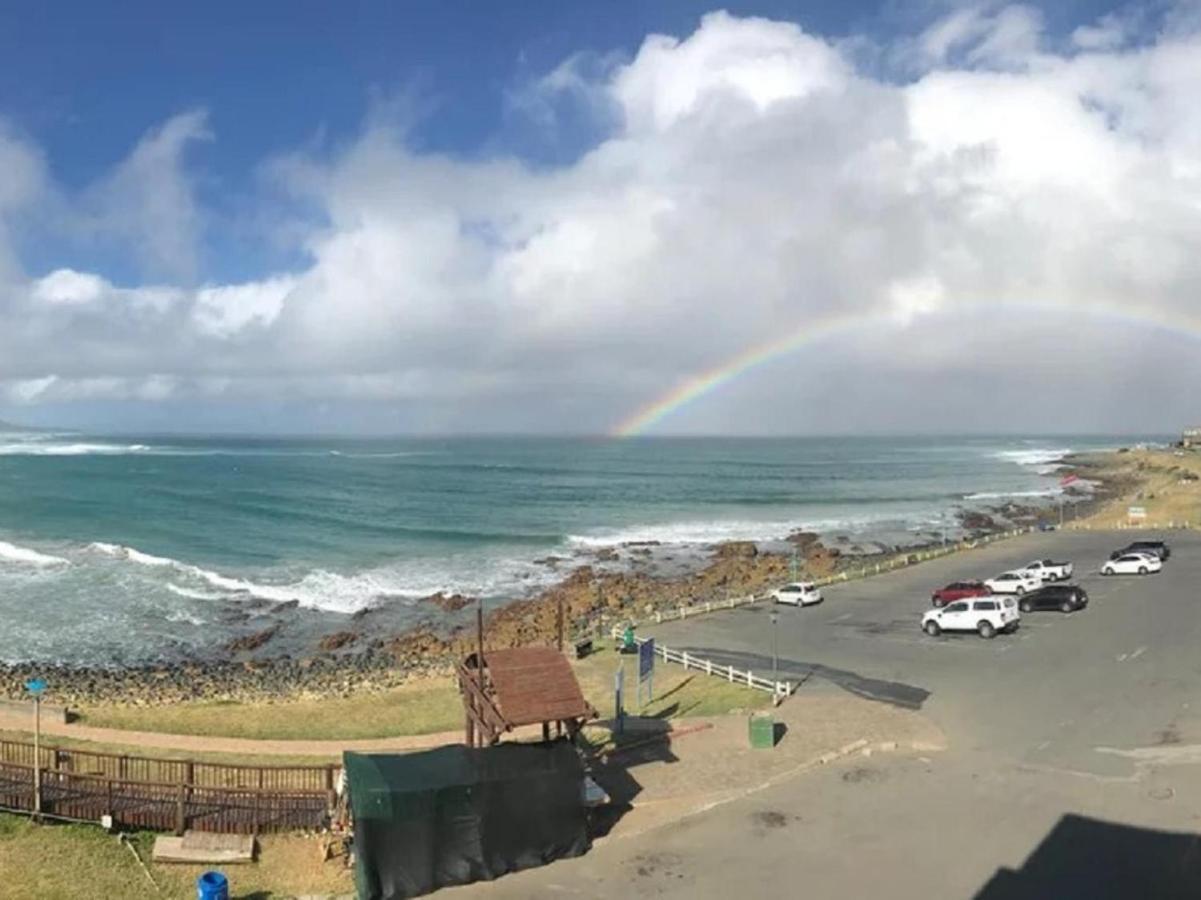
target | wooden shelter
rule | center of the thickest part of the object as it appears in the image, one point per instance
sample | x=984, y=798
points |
x=520, y=686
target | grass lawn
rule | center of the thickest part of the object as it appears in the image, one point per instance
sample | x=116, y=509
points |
x=424, y=708
x=65, y=862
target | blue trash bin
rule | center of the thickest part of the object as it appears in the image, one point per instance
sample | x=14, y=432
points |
x=212, y=886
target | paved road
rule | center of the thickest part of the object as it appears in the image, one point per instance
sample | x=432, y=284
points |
x=1095, y=713
x=1060, y=692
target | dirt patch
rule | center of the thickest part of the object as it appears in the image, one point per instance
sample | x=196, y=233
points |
x=770, y=818
x=863, y=774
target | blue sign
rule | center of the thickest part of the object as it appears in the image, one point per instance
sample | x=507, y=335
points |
x=646, y=659
x=35, y=686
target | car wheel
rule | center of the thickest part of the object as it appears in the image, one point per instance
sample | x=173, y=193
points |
x=1021, y=590
x=938, y=604
x=1142, y=570
x=986, y=630
x=1066, y=606
x=1107, y=571
x=931, y=628
x=1025, y=606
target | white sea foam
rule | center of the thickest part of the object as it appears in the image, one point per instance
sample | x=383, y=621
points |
x=193, y=595
x=713, y=532
x=25, y=556
x=1035, y=456
x=132, y=554
x=1007, y=495
x=343, y=593
x=46, y=448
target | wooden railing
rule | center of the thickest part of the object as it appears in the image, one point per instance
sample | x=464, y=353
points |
x=158, y=770
x=165, y=794
x=161, y=807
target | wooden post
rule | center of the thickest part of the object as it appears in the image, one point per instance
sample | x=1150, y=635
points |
x=37, y=755
x=559, y=621
x=108, y=799
x=179, y=809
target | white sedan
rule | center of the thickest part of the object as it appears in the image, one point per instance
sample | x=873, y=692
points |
x=1133, y=564
x=1014, y=583
x=799, y=594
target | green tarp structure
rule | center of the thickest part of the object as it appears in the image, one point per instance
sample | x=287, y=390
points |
x=457, y=814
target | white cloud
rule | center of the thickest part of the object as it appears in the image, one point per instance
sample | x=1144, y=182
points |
x=149, y=198
x=752, y=180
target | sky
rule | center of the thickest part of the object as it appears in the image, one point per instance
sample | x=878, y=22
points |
x=620, y=217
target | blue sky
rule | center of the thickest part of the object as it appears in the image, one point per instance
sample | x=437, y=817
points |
x=542, y=216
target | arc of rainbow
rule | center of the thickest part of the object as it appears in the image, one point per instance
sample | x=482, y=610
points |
x=713, y=379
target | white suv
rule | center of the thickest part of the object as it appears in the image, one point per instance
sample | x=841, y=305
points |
x=1014, y=583
x=984, y=615
x=799, y=594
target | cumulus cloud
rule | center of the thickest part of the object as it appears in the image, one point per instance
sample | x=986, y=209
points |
x=751, y=181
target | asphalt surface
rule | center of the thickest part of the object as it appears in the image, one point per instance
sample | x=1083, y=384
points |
x=1095, y=713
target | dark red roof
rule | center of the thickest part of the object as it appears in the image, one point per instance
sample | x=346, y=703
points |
x=535, y=684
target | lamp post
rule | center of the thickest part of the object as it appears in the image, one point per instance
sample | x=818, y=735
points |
x=775, y=655
x=37, y=687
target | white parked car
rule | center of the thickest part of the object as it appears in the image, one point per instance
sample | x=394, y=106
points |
x=983, y=615
x=1132, y=564
x=800, y=594
x=1014, y=583
x=1046, y=570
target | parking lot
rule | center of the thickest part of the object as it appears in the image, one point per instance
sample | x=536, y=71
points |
x=1075, y=724
x=1063, y=691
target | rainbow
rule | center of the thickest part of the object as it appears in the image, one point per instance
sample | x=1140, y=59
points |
x=707, y=382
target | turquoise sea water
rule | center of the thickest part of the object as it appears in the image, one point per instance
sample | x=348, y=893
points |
x=122, y=549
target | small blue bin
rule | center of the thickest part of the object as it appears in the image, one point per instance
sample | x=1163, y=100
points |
x=212, y=886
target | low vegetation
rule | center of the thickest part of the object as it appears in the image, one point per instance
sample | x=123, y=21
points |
x=430, y=706
x=53, y=861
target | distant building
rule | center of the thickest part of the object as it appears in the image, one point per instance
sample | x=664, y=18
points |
x=1191, y=437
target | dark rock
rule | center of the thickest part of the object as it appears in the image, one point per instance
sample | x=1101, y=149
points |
x=337, y=640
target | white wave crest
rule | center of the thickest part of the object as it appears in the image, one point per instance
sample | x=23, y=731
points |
x=43, y=448
x=1035, y=456
x=190, y=594
x=130, y=553
x=1008, y=495
x=25, y=556
x=341, y=593
x=717, y=531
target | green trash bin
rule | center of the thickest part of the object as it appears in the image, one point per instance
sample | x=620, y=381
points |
x=762, y=728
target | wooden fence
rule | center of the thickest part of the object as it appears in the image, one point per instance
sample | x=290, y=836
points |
x=165, y=794
x=778, y=689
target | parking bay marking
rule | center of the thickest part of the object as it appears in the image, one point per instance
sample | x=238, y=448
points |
x=1128, y=657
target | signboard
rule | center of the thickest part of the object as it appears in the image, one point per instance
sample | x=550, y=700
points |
x=36, y=686
x=1137, y=512
x=646, y=669
x=646, y=659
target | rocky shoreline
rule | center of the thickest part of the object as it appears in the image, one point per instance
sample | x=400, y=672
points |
x=364, y=657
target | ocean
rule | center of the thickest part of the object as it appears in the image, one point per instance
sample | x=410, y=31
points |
x=132, y=549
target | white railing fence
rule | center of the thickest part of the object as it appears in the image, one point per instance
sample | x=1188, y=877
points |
x=778, y=689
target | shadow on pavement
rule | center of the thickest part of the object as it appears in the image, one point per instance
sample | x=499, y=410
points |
x=648, y=744
x=897, y=693
x=1083, y=857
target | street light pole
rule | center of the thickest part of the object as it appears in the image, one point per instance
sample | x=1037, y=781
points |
x=775, y=655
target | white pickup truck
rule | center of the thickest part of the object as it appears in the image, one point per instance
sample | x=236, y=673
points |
x=1046, y=570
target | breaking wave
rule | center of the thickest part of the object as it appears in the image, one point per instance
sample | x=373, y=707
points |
x=25, y=556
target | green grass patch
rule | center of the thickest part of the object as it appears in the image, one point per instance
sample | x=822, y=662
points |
x=426, y=707
x=55, y=861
